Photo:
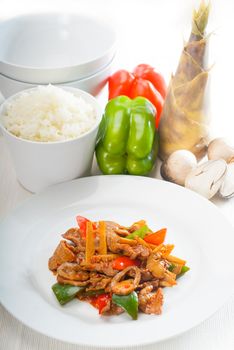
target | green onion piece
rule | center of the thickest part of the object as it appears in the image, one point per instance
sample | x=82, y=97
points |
x=128, y=302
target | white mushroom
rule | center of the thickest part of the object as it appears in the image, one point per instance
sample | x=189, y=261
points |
x=220, y=149
x=227, y=188
x=207, y=178
x=177, y=166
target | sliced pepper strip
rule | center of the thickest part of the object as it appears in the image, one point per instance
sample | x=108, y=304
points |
x=122, y=262
x=157, y=237
x=184, y=269
x=82, y=223
x=141, y=232
x=128, y=302
x=65, y=292
x=100, y=301
x=90, y=246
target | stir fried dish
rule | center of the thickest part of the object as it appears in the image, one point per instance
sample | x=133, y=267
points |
x=115, y=268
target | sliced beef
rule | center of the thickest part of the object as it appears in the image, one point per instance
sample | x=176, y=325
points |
x=63, y=253
x=98, y=281
x=150, y=302
x=114, y=243
x=73, y=235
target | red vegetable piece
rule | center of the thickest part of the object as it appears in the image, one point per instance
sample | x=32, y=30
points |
x=157, y=237
x=147, y=72
x=120, y=83
x=82, y=222
x=142, y=87
x=100, y=301
x=122, y=262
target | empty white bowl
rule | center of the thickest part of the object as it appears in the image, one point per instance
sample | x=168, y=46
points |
x=54, y=48
x=41, y=164
x=91, y=84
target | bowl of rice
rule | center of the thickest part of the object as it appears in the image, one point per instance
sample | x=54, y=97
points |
x=51, y=134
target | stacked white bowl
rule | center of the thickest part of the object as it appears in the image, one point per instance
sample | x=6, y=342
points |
x=55, y=48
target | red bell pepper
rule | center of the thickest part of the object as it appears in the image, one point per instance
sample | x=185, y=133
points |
x=122, y=262
x=82, y=222
x=157, y=237
x=100, y=301
x=144, y=81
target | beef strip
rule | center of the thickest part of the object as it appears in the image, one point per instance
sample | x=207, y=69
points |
x=63, y=253
x=98, y=281
x=73, y=235
x=150, y=302
x=114, y=244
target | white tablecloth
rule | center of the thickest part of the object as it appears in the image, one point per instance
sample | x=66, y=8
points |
x=149, y=31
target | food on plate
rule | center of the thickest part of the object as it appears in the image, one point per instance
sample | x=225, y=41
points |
x=127, y=139
x=115, y=268
x=49, y=113
x=220, y=149
x=177, y=166
x=184, y=121
x=207, y=178
x=143, y=81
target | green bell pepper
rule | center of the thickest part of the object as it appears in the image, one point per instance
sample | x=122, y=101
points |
x=141, y=232
x=128, y=302
x=184, y=269
x=65, y=292
x=127, y=138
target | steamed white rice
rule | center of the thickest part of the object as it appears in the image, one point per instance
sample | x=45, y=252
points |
x=49, y=113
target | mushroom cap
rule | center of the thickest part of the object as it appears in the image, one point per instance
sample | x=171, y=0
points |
x=207, y=178
x=227, y=187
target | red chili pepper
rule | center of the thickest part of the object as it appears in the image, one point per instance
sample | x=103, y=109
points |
x=122, y=262
x=144, y=81
x=157, y=237
x=100, y=301
x=82, y=222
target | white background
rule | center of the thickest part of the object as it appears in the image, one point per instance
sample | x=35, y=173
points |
x=149, y=31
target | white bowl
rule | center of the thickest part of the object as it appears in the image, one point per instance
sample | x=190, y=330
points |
x=55, y=48
x=41, y=164
x=92, y=84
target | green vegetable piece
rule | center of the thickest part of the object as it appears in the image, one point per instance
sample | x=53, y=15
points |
x=127, y=141
x=128, y=302
x=65, y=292
x=142, y=130
x=141, y=232
x=171, y=267
x=184, y=269
x=109, y=163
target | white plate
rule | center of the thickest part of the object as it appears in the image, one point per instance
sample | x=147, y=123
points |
x=196, y=227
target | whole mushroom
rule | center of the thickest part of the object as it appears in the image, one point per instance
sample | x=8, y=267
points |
x=207, y=178
x=177, y=166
